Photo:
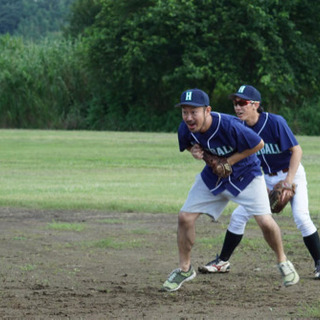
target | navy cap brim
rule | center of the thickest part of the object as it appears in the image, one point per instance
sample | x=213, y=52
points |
x=239, y=95
x=192, y=104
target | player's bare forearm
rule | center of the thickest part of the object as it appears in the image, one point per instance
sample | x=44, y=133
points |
x=196, y=151
x=238, y=156
x=296, y=155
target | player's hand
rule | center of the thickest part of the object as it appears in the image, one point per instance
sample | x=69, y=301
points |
x=287, y=193
x=280, y=195
x=197, y=151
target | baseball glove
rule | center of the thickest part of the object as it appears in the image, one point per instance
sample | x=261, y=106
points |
x=280, y=195
x=219, y=165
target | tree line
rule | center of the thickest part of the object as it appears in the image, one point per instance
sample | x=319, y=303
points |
x=122, y=65
x=33, y=19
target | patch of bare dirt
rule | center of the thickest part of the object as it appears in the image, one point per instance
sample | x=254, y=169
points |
x=115, y=267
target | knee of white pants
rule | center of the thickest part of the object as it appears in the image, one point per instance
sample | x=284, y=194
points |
x=305, y=224
x=237, y=228
x=238, y=221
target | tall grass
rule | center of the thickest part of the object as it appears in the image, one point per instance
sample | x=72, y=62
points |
x=113, y=171
x=43, y=85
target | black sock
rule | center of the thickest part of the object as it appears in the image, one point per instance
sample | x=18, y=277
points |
x=231, y=241
x=312, y=242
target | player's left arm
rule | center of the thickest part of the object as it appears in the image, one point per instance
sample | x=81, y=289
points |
x=296, y=155
x=196, y=151
x=238, y=156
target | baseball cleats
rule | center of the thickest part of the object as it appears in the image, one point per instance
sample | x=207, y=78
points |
x=289, y=273
x=317, y=270
x=176, y=278
x=217, y=265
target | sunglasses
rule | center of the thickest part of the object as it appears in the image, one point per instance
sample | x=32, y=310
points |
x=240, y=103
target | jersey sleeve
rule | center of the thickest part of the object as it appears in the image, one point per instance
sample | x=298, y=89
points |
x=245, y=138
x=184, y=137
x=286, y=136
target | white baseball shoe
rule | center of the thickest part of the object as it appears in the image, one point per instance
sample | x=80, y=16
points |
x=217, y=265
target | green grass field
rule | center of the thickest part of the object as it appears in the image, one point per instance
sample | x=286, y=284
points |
x=113, y=171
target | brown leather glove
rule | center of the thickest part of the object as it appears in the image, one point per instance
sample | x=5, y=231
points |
x=220, y=165
x=280, y=195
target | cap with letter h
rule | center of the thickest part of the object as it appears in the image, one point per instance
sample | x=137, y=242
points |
x=247, y=92
x=194, y=97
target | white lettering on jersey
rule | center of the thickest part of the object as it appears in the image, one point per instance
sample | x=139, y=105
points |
x=222, y=151
x=269, y=148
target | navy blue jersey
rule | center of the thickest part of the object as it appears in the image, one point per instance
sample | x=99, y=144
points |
x=278, y=139
x=226, y=136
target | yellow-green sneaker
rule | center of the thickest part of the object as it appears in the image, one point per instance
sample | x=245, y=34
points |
x=176, y=278
x=289, y=273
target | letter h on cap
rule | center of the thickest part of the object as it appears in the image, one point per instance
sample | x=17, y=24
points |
x=241, y=89
x=189, y=96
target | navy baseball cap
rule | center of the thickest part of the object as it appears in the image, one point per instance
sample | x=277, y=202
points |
x=247, y=92
x=194, y=97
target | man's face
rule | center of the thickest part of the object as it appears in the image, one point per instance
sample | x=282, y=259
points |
x=196, y=118
x=244, y=109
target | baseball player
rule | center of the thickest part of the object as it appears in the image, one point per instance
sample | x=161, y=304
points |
x=280, y=160
x=204, y=131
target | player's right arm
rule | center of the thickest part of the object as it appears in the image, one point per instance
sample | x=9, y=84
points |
x=238, y=156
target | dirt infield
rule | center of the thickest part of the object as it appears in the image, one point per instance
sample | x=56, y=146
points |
x=115, y=266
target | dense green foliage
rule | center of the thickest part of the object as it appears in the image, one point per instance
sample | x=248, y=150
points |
x=147, y=53
x=123, y=64
x=82, y=15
